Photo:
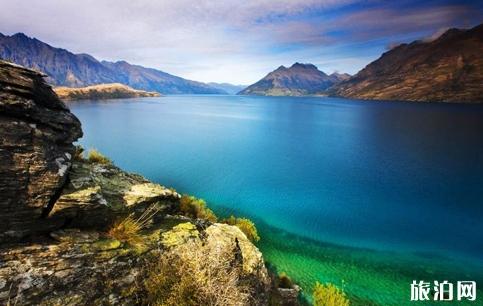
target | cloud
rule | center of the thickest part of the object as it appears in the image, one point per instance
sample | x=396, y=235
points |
x=236, y=41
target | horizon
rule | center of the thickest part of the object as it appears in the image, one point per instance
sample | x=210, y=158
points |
x=195, y=40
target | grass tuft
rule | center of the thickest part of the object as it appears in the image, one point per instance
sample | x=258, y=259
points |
x=246, y=226
x=196, y=208
x=129, y=229
x=95, y=156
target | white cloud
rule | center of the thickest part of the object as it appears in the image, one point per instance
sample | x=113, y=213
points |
x=235, y=41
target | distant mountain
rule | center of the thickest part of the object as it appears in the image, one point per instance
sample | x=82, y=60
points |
x=102, y=91
x=447, y=69
x=77, y=70
x=228, y=88
x=298, y=80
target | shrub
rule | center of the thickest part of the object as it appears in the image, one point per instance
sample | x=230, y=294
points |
x=78, y=153
x=128, y=230
x=196, y=208
x=246, y=226
x=95, y=156
x=195, y=274
x=329, y=295
x=284, y=281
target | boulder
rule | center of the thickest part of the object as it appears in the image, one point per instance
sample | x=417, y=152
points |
x=36, y=135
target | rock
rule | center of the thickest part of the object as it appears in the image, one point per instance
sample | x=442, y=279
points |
x=36, y=132
x=66, y=206
x=99, y=193
x=180, y=234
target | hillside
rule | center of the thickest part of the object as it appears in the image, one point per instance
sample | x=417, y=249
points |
x=65, y=68
x=227, y=87
x=102, y=91
x=447, y=69
x=297, y=80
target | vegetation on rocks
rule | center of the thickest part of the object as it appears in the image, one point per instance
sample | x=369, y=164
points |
x=196, y=274
x=95, y=156
x=245, y=225
x=329, y=295
x=128, y=229
x=196, y=208
x=284, y=281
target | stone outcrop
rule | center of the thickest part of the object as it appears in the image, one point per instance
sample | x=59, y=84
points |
x=36, y=135
x=68, y=207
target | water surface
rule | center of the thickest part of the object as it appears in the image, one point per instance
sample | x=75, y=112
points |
x=372, y=194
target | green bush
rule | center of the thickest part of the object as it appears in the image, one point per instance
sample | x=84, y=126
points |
x=95, y=156
x=284, y=281
x=246, y=226
x=78, y=153
x=196, y=208
x=329, y=295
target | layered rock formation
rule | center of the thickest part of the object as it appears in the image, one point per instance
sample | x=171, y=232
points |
x=36, y=133
x=447, y=69
x=102, y=91
x=58, y=212
x=297, y=80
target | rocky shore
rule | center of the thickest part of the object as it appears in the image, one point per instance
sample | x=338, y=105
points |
x=58, y=211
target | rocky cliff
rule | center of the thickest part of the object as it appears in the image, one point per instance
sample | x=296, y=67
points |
x=297, y=80
x=36, y=132
x=79, y=231
x=102, y=91
x=447, y=69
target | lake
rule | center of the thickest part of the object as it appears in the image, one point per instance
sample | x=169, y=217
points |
x=366, y=195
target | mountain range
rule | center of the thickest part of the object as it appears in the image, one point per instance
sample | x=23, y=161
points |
x=65, y=68
x=229, y=88
x=297, y=80
x=446, y=69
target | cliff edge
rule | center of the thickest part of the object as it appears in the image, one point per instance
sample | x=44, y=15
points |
x=80, y=231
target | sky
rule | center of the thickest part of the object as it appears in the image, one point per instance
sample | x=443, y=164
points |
x=235, y=41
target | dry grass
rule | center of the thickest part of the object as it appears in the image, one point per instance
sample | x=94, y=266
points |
x=329, y=295
x=194, y=274
x=129, y=229
x=95, y=156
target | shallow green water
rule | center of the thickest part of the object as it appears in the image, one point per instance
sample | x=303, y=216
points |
x=405, y=178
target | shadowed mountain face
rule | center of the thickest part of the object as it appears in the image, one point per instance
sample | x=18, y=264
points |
x=447, y=69
x=78, y=70
x=299, y=79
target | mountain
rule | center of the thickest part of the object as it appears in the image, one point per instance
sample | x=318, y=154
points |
x=65, y=68
x=228, y=88
x=447, y=69
x=102, y=91
x=298, y=80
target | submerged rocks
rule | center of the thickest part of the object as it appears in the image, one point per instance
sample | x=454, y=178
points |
x=36, y=135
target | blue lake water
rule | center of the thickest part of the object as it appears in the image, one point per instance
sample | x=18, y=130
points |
x=319, y=174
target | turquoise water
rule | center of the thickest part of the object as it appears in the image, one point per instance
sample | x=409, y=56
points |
x=370, y=193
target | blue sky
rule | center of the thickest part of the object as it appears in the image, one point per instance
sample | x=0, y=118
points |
x=235, y=41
